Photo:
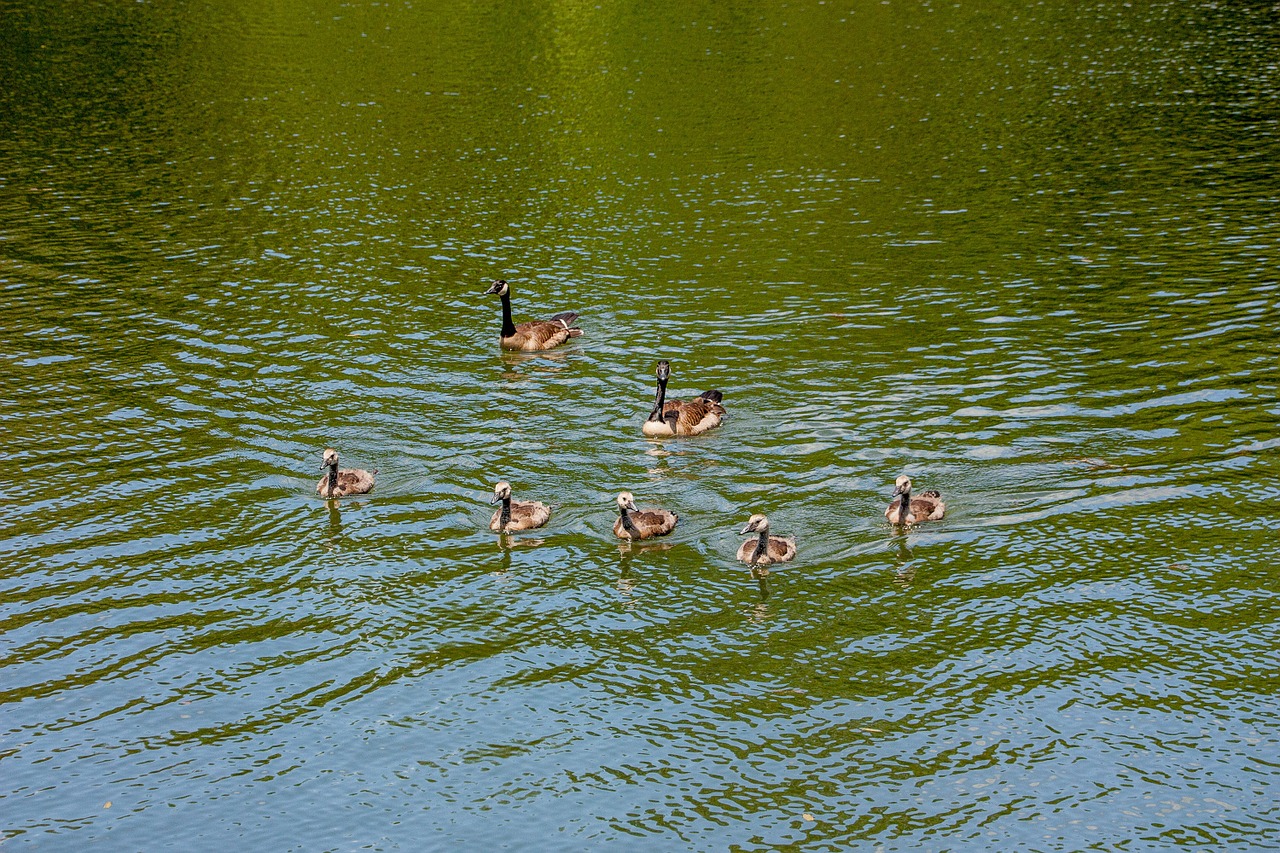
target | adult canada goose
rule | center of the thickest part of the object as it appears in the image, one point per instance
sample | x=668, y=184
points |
x=680, y=417
x=534, y=335
x=516, y=515
x=765, y=549
x=928, y=506
x=351, y=481
x=635, y=523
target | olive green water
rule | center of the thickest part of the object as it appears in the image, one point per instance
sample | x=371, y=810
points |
x=1026, y=255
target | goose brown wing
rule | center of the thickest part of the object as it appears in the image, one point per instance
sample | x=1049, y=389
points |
x=928, y=506
x=351, y=482
x=542, y=334
x=654, y=522
x=355, y=482
x=780, y=549
x=529, y=514
x=699, y=415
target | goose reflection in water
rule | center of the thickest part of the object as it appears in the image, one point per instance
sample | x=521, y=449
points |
x=550, y=362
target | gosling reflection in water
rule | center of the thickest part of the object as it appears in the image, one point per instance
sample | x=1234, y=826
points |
x=507, y=543
x=626, y=584
x=634, y=546
x=333, y=532
x=333, y=526
x=904, y=570
x=761, y=574
x=504, y=563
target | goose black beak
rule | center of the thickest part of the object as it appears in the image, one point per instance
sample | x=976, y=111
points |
x=494, y=288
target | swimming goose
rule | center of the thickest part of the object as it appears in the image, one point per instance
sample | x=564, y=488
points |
x=534, y=335
x=679, y=417
x=335, y=484
x=927, y=507
x=634, y=523
x=765, y=549
x=516, y=515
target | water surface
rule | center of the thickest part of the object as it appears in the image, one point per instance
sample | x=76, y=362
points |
x=1025, y=255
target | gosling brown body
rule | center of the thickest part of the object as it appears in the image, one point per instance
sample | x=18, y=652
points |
x=635, y=523
x=516, y=515
x=927, y=506
x=349, y=481
x=763, y=549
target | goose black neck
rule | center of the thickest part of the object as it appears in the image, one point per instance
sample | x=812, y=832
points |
x=656, y=414
x=627, y=523
x=762, y=546
x=333, y=478
x=505, y=518
x=508, y=326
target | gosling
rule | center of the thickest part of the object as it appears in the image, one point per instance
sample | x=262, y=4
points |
x=904, y=509
x=350, y=481
x=516, y=515
x=765, y=549
x=634, y=523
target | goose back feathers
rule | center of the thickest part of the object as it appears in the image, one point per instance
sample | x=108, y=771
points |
x=635, y=523
x=682, y=417
x=516, y=515
x=534, y=335
x=350, y=481
x=906, y=509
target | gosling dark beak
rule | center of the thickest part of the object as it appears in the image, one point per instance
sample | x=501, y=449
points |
x=495, y=500
x=750, y=528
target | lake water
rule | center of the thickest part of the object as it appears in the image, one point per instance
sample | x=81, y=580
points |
x=1025, y=254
